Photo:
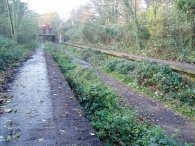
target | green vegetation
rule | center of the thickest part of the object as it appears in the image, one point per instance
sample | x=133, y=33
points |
x=165, y=29
x=115, y=124
x=165, y=84
x=18, y=28
x=12, y=53
x=16, y=20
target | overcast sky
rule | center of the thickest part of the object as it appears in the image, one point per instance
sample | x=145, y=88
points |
x=63, y=7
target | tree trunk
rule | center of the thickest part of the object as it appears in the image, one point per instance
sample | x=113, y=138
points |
x=10, y=18
x=193, y=35
x=14, y=19
x=135, y=23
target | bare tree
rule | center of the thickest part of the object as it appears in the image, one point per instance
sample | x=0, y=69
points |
x=16, y=10
x=132, y=8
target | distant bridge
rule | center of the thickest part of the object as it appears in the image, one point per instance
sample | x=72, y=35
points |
x=46, y=33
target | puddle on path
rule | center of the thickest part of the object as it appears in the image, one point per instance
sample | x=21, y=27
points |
x=31, y=118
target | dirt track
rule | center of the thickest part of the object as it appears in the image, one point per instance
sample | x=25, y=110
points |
x=149, y=108
x=43, y=110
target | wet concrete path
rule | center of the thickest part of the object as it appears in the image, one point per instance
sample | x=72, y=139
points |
x=36, y=109
x=149, y=108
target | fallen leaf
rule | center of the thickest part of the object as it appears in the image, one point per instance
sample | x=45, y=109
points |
x=41, y=100
x=16, y=136
x=8, y=138
x=2, y=101
x=62, y=131
x=40, y=140
x=65, y=114
x=1, y=138
x=92, y=133
x=65, y=105
x=1, y=111
x=8, y=101
x=8, y=110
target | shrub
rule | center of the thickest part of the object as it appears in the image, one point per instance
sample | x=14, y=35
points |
x=6, y=43
x=157, y=77
x=11, y=52
x=114, y=124
x=125, y=67
x=111, y=65
x=144, y=72
x=165, y=80
x=97, y=33
x=86, y=54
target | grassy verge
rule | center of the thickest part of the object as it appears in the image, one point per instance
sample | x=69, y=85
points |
x=150, y=79
x=115, y=124
x=12, y=53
